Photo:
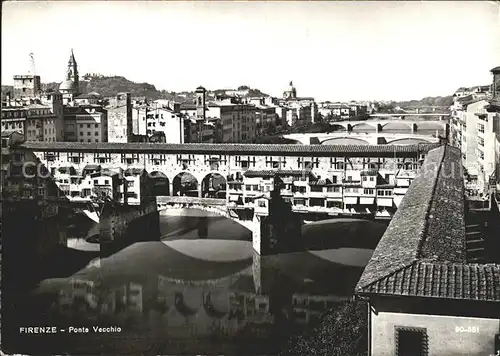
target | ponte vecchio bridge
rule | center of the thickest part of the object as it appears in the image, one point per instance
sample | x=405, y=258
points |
x=235, y=180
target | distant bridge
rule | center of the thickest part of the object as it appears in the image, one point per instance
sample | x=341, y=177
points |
x=393, y=126
x=361, y=138
x=401, y=116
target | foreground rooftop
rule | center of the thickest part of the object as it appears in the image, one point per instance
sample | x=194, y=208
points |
x=423, y=251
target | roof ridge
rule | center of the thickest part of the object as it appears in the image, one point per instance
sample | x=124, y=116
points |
x=423, y=234
x=413, y=263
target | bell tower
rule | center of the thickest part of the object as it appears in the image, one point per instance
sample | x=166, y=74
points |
x=72, y=72
x=200, y=102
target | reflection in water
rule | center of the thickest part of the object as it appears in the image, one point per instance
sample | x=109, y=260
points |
x=190, y=295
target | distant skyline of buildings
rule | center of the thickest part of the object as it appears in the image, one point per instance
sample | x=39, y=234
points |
x=235, y=91
x=331, y=50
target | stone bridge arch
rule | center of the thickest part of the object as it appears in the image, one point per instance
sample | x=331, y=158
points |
x=344, y=141
x=186, y=183
x=216, y=206
x=364, y=127
x=398, y=126
x=160, y=184
x=213, y=185
x=408, y=141
x=334, y=127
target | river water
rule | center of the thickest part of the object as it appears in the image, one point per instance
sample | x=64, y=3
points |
x=198, y=289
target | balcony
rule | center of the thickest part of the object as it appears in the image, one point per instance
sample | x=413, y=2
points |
x=351, y=182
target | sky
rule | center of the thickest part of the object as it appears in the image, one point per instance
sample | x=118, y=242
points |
x=330, y=50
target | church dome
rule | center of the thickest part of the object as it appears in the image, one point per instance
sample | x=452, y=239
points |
x=67, y=85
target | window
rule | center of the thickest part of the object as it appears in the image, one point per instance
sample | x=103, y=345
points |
x=262, y=203
x=368, y=191
x=102, y=157
x=130, y=158
x=411, y=342
x=76, y=157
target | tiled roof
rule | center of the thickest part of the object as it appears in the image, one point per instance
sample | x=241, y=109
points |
x=272, y=173
x=369, y=173
x=235, y=148
x=9, y=132
x=451, y=281
x=422, y=252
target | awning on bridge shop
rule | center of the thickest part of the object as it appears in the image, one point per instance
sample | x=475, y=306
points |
x=338, y=199
x=234, y=198
x=370, y=172
x=320, y=182
x=385, y=201
x=367, y=200
x=279, y=172
x=91, y=167
x=351, y=200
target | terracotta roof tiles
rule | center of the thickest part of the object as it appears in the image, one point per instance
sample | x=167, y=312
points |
x=228, y=148
x=422, y=252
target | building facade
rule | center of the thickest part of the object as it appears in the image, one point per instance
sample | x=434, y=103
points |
x=300, y=110
x=120, y=126
x=26, y=86
x=85, y=123
x=151, y=120
x=38, y=119
x=474, y=126
x=335, y=180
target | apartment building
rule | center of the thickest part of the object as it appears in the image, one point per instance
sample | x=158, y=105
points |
x=153, y=120
x=475, y=127
x=27, y=86
x=238, y=120
x=120, y=127
x=38, y=119
x=342, y=111
x=85, y=123
x=300, y=110
x=124, y=186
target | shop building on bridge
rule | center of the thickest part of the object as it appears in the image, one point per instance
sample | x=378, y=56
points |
x=335, y=180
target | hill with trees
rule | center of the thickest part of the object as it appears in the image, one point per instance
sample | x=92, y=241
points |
x=109, y=86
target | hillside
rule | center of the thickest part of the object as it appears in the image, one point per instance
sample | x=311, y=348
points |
x=110, y=86
x=427, y=101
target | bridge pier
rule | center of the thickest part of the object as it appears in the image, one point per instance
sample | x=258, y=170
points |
x=414, y=128
x=124, y=224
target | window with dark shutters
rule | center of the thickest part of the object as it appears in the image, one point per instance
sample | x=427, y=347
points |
x=411, y=341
